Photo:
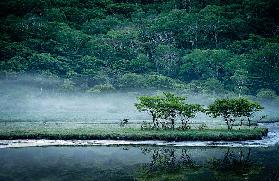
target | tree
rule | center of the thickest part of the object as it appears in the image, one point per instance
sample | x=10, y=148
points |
x=229, y=44
x=171, y=107
x=68, y=85
x=204, y=64
x=46, y=62
x=70, y=41
x=240, y=80
x=55, y=14
x=245, y=108
x=151, y=105
x=103, y=88
x=100, y=26
x=122, y=8
x=213, y=23
x=222, y=108
x=174, y=107
x=266, y=95
x=230, y=109
x=140, y=64
x=188, y=111
x=264, y=67
x=166, y=60
x=168, y=108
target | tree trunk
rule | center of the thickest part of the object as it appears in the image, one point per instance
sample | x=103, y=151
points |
x=154, y=119
x=249, y=122
x=228, y=123
x=172, y=123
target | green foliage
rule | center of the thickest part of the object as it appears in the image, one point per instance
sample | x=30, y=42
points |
x=223, y=108
x=100, y=26
x=140, y=64
x=122, y=8
x=210, y=86
x=45, y=62
x=214, y=45
x=204, y=64
x=151, y=105
x=55, y=15
x=115, y=132
x=167, y=108
x=68, y=85
x=266, y=95
x=103, y=88
x=230, y=109
x=149, y=82
x=245, y=108
x=264, y=67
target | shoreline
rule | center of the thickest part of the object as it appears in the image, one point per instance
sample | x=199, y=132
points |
x=129, y=134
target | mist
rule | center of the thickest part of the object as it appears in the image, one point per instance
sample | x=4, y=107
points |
x=29, y=99
x=26, y=100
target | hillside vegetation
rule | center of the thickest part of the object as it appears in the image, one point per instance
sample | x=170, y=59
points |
x=105, y=45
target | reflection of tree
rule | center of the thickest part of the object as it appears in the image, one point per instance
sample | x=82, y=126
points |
x=170, y=163
x=186, y=160
x=274, y=175
x=168, y=158
x=234, y=163
x=167, y=163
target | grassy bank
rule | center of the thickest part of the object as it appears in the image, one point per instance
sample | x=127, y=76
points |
x=114, y=132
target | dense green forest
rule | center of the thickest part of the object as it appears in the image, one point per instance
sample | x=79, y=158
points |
x=216, y=46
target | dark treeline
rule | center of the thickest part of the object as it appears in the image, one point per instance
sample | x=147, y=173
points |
x=213, y=45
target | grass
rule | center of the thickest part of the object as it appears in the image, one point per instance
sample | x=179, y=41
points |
x=68, y=131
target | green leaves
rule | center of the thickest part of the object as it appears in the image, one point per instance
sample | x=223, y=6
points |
x=168, y=107
x=220, y=45
x=230, y=109
x=148, y=103
x=204, y=64
x=46, y=62
x=264, y=67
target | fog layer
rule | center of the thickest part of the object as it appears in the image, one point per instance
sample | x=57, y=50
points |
x=28, y=100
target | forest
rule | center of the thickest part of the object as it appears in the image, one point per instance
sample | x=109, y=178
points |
x=211, y=46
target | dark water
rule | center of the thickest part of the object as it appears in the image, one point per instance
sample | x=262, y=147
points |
x=139, y=163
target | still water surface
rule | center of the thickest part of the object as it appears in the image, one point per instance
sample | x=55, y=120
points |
x=139, y=163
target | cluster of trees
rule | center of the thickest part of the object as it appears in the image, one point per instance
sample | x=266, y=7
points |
x=120, y=44
x=169, y=108
x=166, y=109
x=231, y=109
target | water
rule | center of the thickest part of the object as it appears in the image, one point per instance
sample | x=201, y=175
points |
x=113, y=160
x=139, y=163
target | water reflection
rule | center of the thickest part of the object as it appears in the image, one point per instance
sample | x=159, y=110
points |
x=235, y=164
x=226, y=164
x=139, y=163
x=166, y=164
x=168, y=158
x=239, y=162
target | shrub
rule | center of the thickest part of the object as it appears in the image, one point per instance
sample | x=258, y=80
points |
x=102, y=88
x=153, y=82
x=266, y=94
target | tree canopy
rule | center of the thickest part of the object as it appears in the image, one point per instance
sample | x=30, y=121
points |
x=107, y=42
x=167, y=109
x=230, y=109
